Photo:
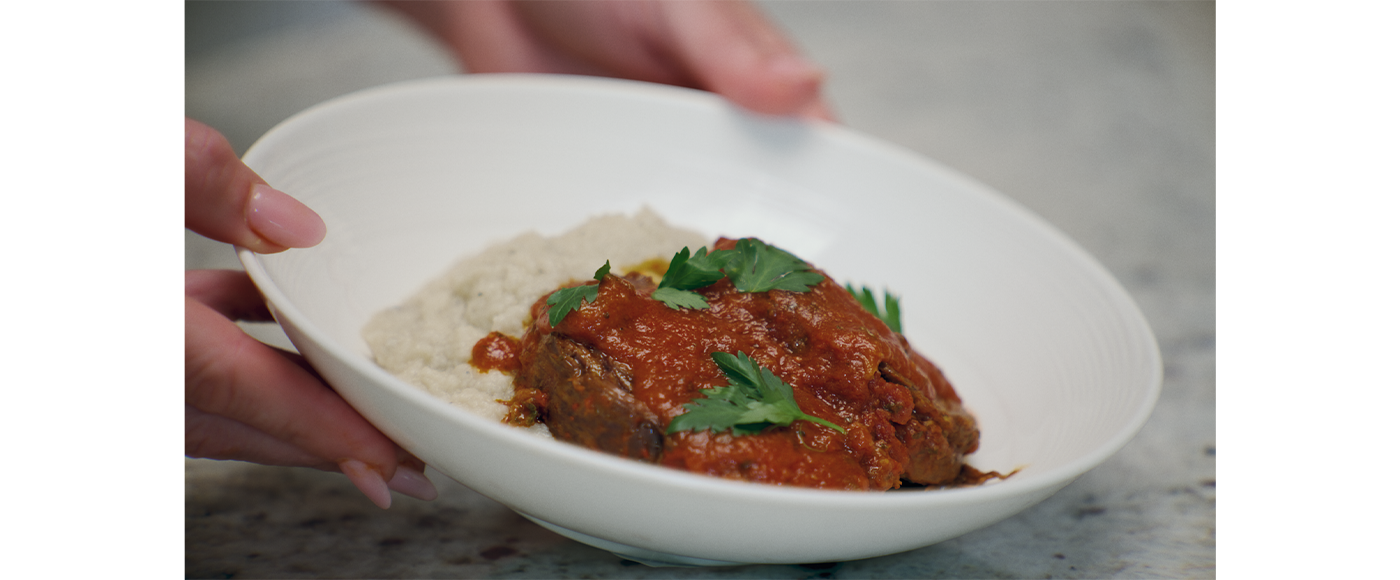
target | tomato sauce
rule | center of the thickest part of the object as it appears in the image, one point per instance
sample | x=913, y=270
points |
x=496, y=352
x=903, y=422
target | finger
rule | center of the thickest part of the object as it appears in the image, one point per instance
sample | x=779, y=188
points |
x=733, y=50
x=408, y=478
x=489, y=36
x=213, y=437
x=618, y=39
x=228, y=292
x=228, y=202
x=231, y=375
x=210, y=436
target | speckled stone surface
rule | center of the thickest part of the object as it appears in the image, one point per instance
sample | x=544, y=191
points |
x=1099, y=116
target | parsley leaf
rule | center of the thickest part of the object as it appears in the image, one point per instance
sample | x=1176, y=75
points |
x=566, y=300
x=752, y=265
x=866, y=298
x=678, y=299
x=688, y=272
x=754, y=399
x=758, y=267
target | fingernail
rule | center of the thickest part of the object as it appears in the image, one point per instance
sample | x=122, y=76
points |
x=281, y=219
x=799, y=86
x=413, y=484
x=818, y=109
x=369, y=482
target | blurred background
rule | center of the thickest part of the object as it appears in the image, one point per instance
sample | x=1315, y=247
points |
x=1098, y=116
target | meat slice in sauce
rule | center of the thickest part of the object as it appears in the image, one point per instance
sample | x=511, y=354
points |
x=587, y=400
x=614, y=373
x=936, y=436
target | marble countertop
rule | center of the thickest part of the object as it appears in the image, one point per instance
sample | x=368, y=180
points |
x=1097, y=116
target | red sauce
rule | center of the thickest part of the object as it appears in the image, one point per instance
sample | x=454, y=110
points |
x=903, y=420
x=496, y=352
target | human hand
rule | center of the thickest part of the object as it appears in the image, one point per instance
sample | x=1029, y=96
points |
x=245, y=400
x=726, y=47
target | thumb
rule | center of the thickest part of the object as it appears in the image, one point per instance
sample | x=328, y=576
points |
x=227, y=201
x=733, y=50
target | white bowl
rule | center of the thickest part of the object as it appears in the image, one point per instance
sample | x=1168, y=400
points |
x=1044, y=346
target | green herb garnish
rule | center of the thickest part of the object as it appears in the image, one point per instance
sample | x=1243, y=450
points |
x=866, y=298
x=754, y=399
x=566, y=300
x=752, y=265
x=687, y=273
x=759, y=267
x=678, y=299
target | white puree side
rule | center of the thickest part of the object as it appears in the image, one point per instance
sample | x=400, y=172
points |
x=428, y=340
